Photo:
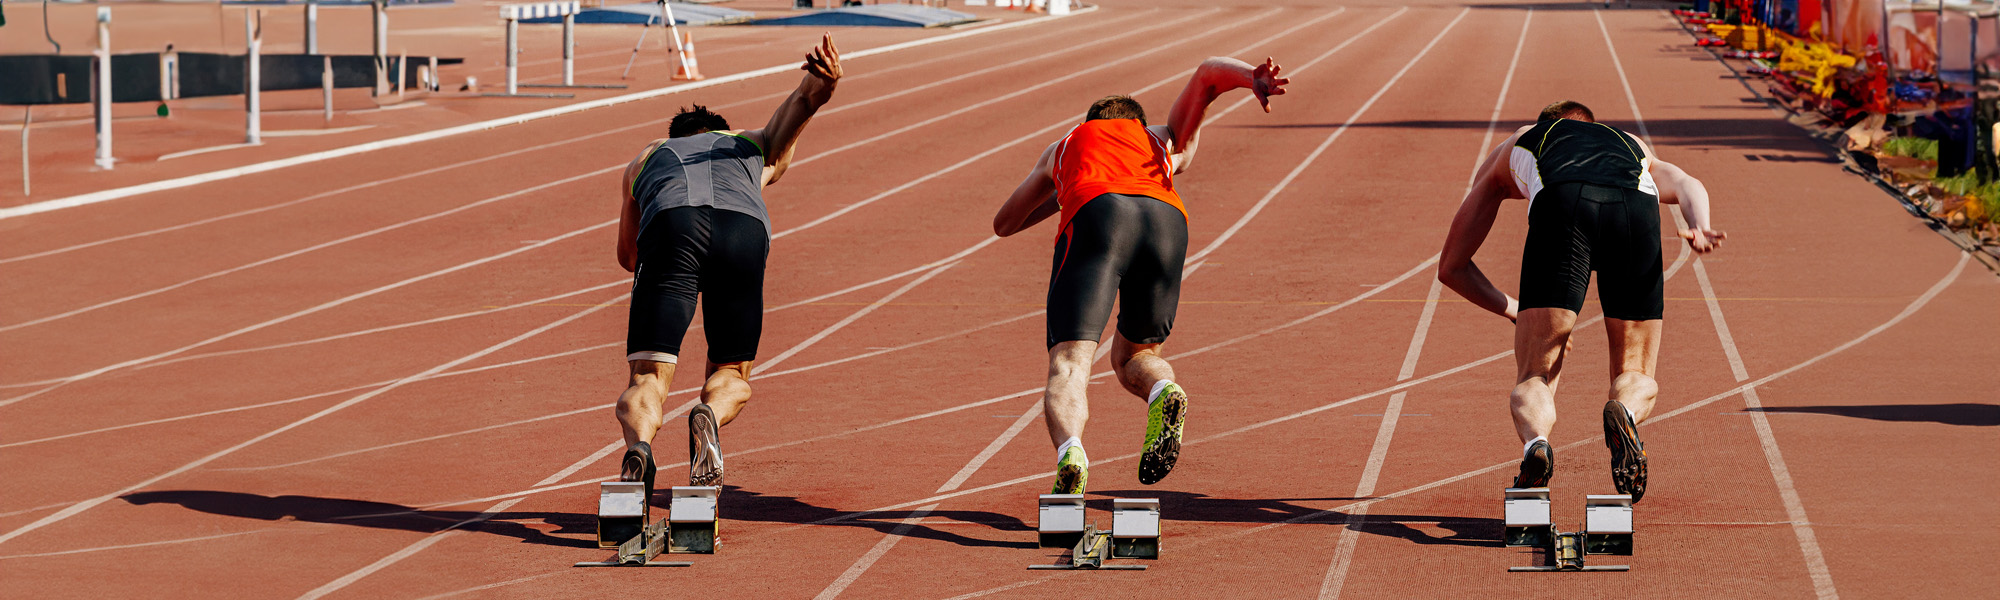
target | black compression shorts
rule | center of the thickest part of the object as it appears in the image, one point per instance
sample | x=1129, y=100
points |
x=1126, y=247
x=1576, y=228
x=699, y=250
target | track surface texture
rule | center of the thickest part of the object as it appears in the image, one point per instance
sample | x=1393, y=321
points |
x=404, y=389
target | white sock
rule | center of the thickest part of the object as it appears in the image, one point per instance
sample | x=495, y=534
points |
x=1072, y=442
x=1531, y=444
x=1628, y=414
x=1155, y=394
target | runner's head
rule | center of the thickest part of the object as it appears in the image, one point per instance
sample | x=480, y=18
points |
x=690, y=121
x=1116, y=107
x=1568, y=109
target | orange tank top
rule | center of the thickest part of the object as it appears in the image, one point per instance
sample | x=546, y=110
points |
x=1112, y=156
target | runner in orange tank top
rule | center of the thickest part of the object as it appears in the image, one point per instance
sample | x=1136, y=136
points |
x=1122, y=237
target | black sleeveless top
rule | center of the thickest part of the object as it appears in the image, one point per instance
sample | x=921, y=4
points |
x=1567, y=150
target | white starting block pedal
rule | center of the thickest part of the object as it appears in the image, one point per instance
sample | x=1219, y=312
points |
x=622, y=523
x=1607, y=529
x=1528, y=522
x=1607, y=524
x=691, y=519
x=1135, y=528
x=1060, y=520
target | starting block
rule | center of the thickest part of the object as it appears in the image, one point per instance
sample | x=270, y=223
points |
x=1089, y=553
x=1060, y=520
x=691, y=519
x=622, y=523
x=1607, y=529
x=1135, y=528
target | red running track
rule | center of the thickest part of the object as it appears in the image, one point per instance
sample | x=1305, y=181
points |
x=403, y=390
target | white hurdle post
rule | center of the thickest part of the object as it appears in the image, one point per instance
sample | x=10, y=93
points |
x=102, y=85
x=312, y=27
x=254, y=80
x=569, y=48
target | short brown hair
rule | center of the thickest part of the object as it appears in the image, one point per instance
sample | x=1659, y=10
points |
x=1568, y=109
x=1116, y=107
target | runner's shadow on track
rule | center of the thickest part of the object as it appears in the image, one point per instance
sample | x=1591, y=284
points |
x=1963, y=414
x=374, y=515
x=741, y=505
x=1186, y=506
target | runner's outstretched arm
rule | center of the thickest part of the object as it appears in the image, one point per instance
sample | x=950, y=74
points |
x=1468, y=230
x=1033, y=200
x=1213, y=78
x=1677, y=187
x=778, y=137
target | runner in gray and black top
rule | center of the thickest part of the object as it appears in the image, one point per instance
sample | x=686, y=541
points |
x=692, y=226
x=1594, y=196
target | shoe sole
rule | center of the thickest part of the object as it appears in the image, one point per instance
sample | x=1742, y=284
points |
x=1628, y=456
x=1069, y=480
x=1156, y=462
x=1538, y=466
x=640, y=461
x=704, y=448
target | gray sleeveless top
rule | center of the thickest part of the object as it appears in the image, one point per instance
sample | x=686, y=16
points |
x=706, y=169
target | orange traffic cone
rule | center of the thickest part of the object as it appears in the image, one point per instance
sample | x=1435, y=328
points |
x=690, y=69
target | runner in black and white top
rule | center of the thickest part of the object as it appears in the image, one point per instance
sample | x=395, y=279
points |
x=692, y=226
x=1593, y=206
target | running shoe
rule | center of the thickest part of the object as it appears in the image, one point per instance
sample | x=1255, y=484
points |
x=1628, y=454
x=1165, y=413
x=704, y=447
x=638, y=466
x=1538, y=464
x=1072, y=472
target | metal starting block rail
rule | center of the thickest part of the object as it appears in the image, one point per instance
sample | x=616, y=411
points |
x=1135, y=532
x=1607, y=529
x=624, y=522
x=513, y=14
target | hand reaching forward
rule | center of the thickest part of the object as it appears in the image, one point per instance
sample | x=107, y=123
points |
x=824, y=62
x=1264, y=82
x=1703, y=241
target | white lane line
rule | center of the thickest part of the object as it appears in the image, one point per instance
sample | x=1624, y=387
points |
x=1350, y=536
x=308, y=311
x=1781, y=474
x=137, y=545
x=308, y=249
x=874, y=554
x=607, y=450
x=124, y=192
x=73, y=510
x=535, y=148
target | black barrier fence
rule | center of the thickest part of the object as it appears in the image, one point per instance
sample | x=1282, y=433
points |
x=56, y=79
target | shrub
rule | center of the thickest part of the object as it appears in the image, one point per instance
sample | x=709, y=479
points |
x=1918, y=148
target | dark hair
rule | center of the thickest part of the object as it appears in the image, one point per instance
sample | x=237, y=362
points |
x=1568, y=109
x=1116, y=107
x=690, y=121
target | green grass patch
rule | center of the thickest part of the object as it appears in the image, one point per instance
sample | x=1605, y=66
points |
x=1917, y=148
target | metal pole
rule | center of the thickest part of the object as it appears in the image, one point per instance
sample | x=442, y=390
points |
x=433, y=75
x=402, y=71
x=512, y=53
x=253, y=71
x=673, y=31
x=27, y=119
x=635, y=49
x=569, y=49
x=101, y=85
x=381, y=9
x=326, y=85
x=312, y=27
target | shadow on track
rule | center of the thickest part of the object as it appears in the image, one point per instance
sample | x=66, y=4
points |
x=1963, y=414
x=375, y=515
x=1185, y=506
x=740, y=505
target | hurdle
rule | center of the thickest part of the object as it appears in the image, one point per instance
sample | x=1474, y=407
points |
x=513, y=14
x=101, y=88
x=253, y=31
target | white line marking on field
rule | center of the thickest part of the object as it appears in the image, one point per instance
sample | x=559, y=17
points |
x=113, y=194
x=137, y=545
x=74, y=509
x=874, y=554
x=1781, y=474
x=1350, y=536
x=850, y=319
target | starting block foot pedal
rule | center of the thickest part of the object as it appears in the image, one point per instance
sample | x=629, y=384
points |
x=1092, y=547
x=1135, y=528
x=1607, y=524
x=1060, y=520
x=691, y=519
x=621, y=512
x=1528, y=522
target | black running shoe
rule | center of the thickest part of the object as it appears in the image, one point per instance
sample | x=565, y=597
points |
x=1628, y=454
x=638, y=466
x=1538, y=464
x=704, y=447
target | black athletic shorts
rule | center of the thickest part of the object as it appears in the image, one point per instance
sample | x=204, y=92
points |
x=700, y=250
x=1126, y=247
x=1575, y=228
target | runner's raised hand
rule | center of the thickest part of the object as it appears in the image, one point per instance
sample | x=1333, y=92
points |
x=824, y=62
x=1703, y=241
x=1264, y=82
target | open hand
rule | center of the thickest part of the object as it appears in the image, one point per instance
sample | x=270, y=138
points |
x=1264, y=82
x=1703, y=241
x=824, y=62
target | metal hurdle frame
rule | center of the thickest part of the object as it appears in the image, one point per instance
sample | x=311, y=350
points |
x=567, y=9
